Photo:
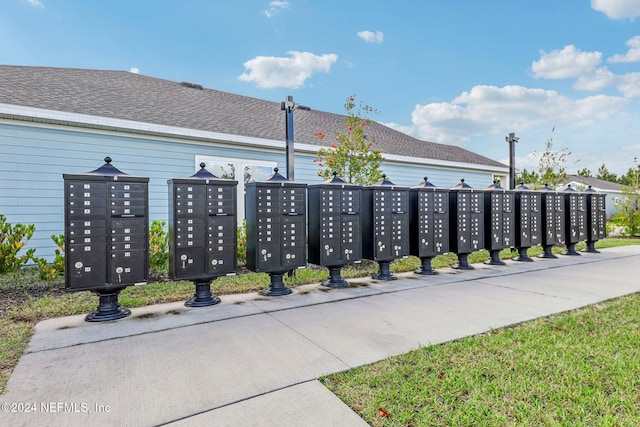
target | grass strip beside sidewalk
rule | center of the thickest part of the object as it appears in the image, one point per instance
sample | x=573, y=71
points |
x=577, y=368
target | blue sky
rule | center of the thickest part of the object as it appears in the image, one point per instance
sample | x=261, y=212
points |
x=463, y=72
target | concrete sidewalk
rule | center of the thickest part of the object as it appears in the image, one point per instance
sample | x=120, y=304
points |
x=252, y=360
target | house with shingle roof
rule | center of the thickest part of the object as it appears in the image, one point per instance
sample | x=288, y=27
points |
x=62, y=120
x=613, y=190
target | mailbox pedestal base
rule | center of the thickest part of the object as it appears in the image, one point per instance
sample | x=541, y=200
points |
x=463, y=263
x=426, y=269
x=571, y=250
x=335, y=280
x=203, y=296
x=276, y=287
x=591, y=247
x=108, y=307
x=494, y=258
x=523, y=256
x=384, y=273
x=547, y=252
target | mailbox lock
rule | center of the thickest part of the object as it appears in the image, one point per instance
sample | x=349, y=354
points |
x=326, y=247
x=183, y=257
x=288, y=256
x=214, y=262
x=78, y=264
x=119, y=270
x=263, y=252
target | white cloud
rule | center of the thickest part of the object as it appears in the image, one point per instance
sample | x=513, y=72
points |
x=36, y=3
x=371, y=37
x=271, y=71
x=597, y=80
x=617, y=9
x=134, y=70
x=566, y=63
x=489, y=110
x=275, y=7
x=630, y=85
x=632, y=55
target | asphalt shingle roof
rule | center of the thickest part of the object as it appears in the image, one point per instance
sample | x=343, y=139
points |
x=595, y=182
x=129, y=96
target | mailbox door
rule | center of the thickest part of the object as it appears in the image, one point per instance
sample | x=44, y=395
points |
x=548, y=219
x=128, y=264
x=476, y=221
x=221, y=245
x=461, y=241
x=535, y=218
x=351, y=246
x=330, y=227
x=85, y=269
x=268, y=248
x=423, y=234
x=523, y=239
x=441, y=222
x=293, y=242
x=382, y=225
x=494, y=214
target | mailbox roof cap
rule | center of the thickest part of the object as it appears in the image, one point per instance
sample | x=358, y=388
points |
x=276, y=177
x=591, y=190
x=462, y=186
x=336, y=180
x=384, y=182
x=107, y=169
x=547, y=188
x=425, y=184
x=522, y=187
x=495, y=186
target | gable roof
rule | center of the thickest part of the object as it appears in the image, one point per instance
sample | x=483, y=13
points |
x=135, y=97
x=596, y=183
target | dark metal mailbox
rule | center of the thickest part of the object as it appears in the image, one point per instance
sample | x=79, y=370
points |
x=575, y=206
x=596, y=218
x=552, y=221
x=335, y=235
x=528, y=219
x=276, y=229
x=499, y=221
x=385, y=225
x=428, y=223
x=466, y=213
x=106, y=236
x=203, y=241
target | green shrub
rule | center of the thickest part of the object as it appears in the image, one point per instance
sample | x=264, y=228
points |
x=242, y=244
x=158, y=248
x=54, y=270
x=11, y=243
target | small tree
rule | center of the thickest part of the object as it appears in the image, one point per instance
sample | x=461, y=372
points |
x=552, y=171
x=527, y=177
x=605, y=175
x=627, y=209
x=352, y=156
x=584, y=172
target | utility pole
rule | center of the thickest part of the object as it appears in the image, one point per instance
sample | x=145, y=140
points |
x=288, y=106
x=512, y=139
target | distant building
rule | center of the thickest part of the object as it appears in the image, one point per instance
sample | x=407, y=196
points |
x=61, y=120
x=613, y=190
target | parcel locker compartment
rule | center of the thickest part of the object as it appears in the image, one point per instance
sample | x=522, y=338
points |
x=268, y=257
x=127, y=267
x=86, y=269
x=330, y=252
x=220, y=262
x=188, y=263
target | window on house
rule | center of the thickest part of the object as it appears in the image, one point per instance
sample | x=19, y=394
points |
x=242, y=170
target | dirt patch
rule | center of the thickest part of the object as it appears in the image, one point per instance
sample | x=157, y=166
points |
x=19, y=295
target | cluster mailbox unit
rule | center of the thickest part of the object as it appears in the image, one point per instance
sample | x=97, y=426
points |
x=106, y=236
x=385, y=225
x=429, y=223
x=552, y=222
x=335, y=235
x=575, y=206
x=467, y=222
x=202, y=232
x=499, y=218
x=596, y=218
x=276, y=229
x=528, y=218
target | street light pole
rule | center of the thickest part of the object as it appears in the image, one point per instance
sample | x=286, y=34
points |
x=512, y=139
x=288, y=106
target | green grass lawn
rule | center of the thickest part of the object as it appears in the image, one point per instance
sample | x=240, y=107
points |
x=580, y=368
x=40, y=300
